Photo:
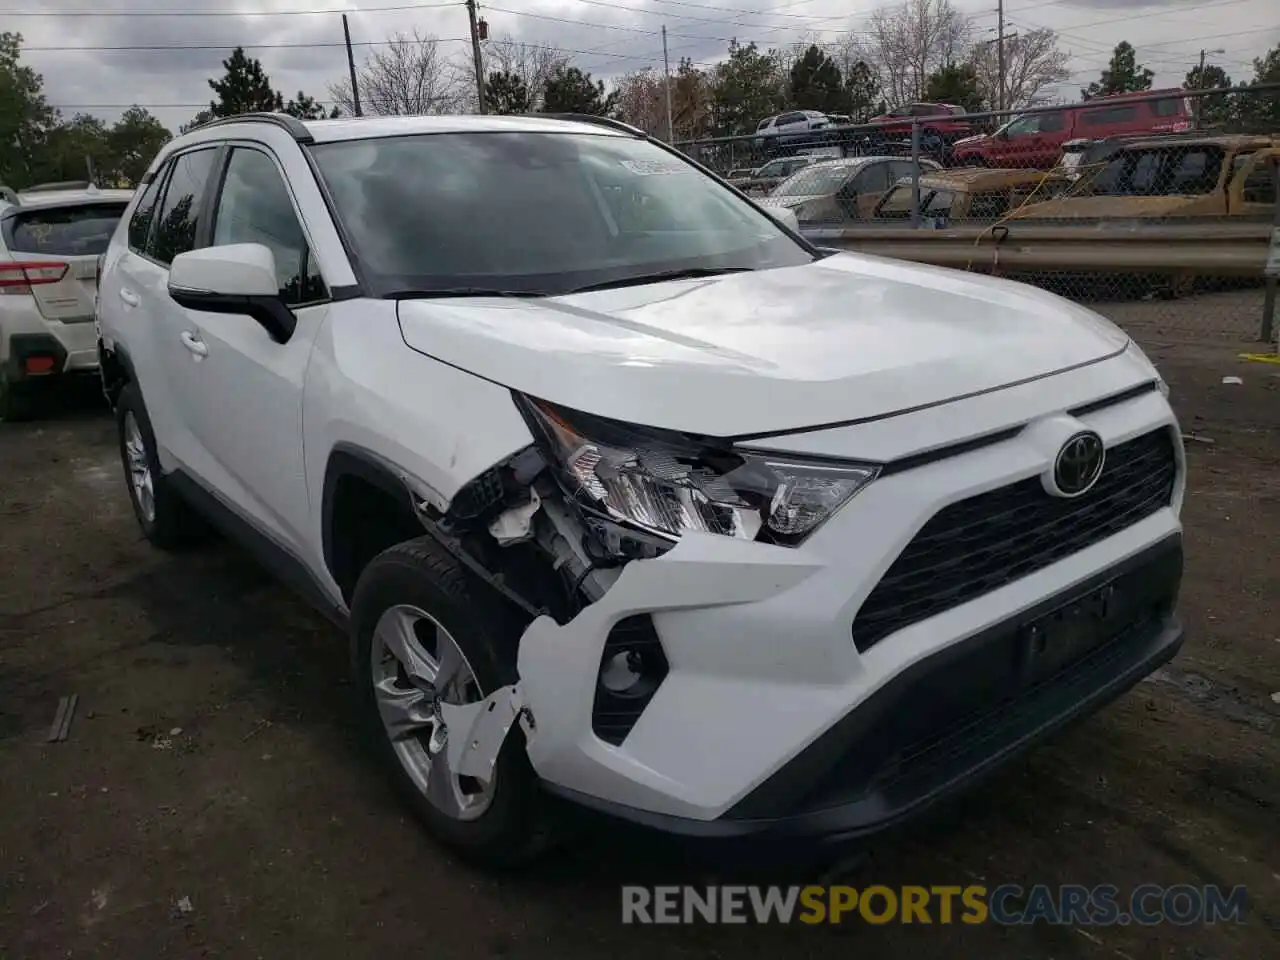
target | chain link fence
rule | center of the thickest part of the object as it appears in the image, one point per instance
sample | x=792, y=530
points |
x=1154, y=209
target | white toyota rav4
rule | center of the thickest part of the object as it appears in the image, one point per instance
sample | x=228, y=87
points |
x=626, y=493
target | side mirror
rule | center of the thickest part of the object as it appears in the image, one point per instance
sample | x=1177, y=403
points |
x=786, y=217
x=239, y=278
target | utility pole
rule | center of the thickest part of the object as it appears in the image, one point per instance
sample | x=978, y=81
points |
x=1000, y=53
x=666, y=67
x=475, y=53
x=351, y=67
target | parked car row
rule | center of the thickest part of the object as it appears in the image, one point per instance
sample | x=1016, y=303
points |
x=1128, y=176
x=953, y=137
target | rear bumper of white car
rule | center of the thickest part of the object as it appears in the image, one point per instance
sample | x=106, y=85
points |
x=37, y=349
x=950, y=614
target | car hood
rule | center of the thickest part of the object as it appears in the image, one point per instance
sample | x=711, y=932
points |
x=967, y=141
x=844, y=338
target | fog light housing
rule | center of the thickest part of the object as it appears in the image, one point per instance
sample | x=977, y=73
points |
x=632, y=667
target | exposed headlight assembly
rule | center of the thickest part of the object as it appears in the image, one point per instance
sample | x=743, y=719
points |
x=664, y=484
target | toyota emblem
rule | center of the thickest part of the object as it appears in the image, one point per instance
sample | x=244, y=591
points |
x=1079, y=464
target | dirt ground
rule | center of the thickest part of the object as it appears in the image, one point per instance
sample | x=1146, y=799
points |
x=211, y=799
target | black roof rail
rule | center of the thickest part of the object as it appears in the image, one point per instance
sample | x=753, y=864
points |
x=595, y=121
x=290, y=124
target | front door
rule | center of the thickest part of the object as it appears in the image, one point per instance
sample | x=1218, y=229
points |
x=243, y=389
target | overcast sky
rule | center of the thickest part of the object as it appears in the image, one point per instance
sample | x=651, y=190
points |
x=303, y=51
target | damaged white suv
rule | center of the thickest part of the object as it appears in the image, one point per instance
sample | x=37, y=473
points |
x=626, y=493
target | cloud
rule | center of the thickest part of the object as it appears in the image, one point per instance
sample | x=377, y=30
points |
x=608, y=37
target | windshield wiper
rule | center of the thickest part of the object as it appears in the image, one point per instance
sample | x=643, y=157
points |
x=691, y=273
x=443, y=292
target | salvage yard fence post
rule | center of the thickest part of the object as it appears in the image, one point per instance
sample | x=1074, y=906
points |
x=1271, y=271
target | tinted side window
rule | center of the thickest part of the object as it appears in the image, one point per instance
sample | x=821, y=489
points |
x=1166, y=108
x=1052, y=122
x=255, y=207
x=1259, y=186
x=176, y=218
x=874, y=179
x=939, y=203
x=1101, y=118
x=1145, y=172
x=140, y=222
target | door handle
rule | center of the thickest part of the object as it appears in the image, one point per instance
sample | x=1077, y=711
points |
x=129, y=297
x=194, y=344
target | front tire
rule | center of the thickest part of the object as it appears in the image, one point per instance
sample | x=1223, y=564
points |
x=419, y=633
x=167, y=520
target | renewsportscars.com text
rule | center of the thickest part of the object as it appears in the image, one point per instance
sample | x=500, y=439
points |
x=1007, y=904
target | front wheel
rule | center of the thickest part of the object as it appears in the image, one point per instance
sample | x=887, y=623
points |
x=420, y=636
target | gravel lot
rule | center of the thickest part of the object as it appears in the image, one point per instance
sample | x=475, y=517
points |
x=211, y=799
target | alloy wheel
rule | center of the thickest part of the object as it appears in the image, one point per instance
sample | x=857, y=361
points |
x=416, y=666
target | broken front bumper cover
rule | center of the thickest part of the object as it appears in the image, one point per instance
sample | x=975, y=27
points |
x=889, y=758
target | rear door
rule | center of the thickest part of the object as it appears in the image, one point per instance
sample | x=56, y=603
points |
x=57, y=246
x=140, y=292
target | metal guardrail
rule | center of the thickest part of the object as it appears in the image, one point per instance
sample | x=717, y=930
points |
x=1217, y=248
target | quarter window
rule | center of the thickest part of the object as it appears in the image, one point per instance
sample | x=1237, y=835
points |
x=144, y=212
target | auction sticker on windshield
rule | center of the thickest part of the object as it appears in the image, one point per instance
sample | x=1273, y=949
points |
x=649, y=168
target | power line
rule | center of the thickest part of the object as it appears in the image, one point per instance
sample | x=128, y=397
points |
x=141, y=47
x=221, y=13
x=1142, y=16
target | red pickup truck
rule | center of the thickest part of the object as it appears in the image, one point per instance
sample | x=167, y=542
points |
x=940, y=125
x=1036, y=139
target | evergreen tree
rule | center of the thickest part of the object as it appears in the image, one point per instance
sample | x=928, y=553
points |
x=1122, y=75
x=244, y=88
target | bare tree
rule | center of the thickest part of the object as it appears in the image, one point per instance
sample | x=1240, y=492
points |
x=906, y=43
x=531, y=63
x=1032, y=62
x=410, y=76
x=642, y=101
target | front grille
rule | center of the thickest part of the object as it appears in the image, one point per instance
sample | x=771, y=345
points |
x=982, y=543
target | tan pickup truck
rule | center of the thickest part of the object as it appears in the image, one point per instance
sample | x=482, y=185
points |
x=972, y=193
x=1212, y=176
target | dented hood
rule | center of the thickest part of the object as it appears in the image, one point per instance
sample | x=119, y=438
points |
x=844, y=338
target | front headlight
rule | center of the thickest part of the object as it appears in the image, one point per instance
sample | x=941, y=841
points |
x=665, y=483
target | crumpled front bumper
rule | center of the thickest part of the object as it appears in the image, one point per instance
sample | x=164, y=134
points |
x=943, y=723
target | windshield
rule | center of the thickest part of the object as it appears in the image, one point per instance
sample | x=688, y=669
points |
x=815, y=181
x=64, y=231
x=537, y=213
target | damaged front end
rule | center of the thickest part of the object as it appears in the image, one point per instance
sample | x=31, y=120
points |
x=554, y=527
